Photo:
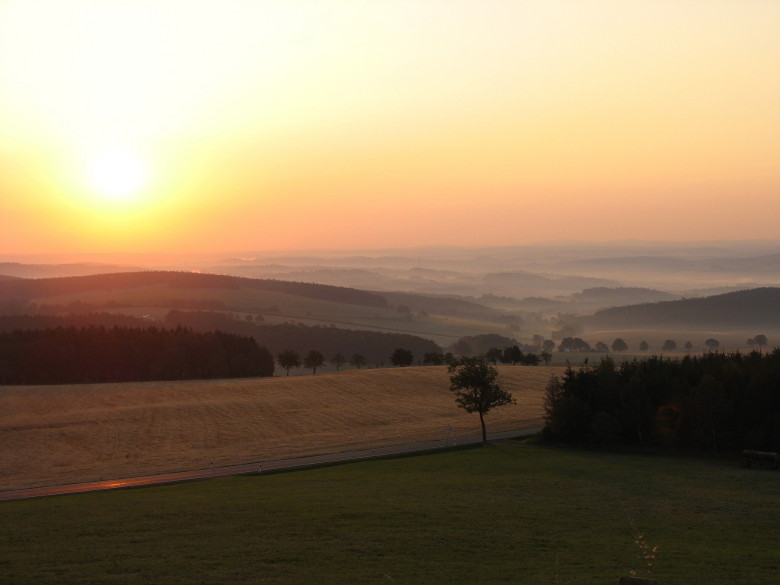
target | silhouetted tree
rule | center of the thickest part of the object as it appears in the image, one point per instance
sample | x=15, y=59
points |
x=476, y=389
x=573, y=344
x=494, y=355
x=357, y=360
x=338, y=360
x=313, y=360
x=548, y=345
x=712, y=344
x=434, y=358
x=669, y=345
x=402, y=357
x=760, y=341
x=619, y=345
x=545, y=356
x=688, y=346
x=512, y=355
x=289, y=359
x=643, y=346
x=601, y=346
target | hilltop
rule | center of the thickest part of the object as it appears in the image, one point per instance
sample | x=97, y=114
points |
x=757, y=308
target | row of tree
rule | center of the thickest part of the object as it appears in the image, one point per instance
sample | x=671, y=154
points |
x=71, y=355
x=714, y=401
x=314, y=359
x=577, y=344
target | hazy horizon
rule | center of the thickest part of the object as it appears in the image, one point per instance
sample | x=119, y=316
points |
x=182, y=127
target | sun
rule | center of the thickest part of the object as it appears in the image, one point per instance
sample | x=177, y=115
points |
x=117, y=175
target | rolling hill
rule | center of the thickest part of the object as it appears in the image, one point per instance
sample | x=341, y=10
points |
x=155, y=293
x=755, y=308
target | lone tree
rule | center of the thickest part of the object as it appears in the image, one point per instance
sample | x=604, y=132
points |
x=760, y=341
x=712, y=344
x=313, y=360
x=476, y=390
x=619, y=345
x=338, y=360
x=643, y=346
x=669, y=345
x=357, y=360
x=289, y=359
x=402, y=357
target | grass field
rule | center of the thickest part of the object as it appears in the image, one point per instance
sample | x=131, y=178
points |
x=512, y=513
x=53, y=435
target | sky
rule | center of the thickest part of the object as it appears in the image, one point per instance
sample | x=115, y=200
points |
x=203, y=126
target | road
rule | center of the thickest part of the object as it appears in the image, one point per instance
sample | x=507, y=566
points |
x=259, y=466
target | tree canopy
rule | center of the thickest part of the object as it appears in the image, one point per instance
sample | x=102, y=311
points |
x=476, y=388
x=313, y=360
x=402, y=357
x=289, y=359
x=70, y=355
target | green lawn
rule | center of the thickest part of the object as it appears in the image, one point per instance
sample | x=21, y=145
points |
x=512, y=513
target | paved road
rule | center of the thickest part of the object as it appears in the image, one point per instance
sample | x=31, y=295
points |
x=260, y=466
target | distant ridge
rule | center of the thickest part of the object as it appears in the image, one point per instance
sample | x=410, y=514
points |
x=28, y=289
x=758, y=307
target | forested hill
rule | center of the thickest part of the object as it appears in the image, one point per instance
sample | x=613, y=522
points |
x=31, y=289
x=758, y=307
x=376, y=347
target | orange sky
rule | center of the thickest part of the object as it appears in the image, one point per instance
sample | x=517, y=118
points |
x=206, y=126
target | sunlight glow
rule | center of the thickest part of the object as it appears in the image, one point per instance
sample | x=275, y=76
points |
x=117, y=175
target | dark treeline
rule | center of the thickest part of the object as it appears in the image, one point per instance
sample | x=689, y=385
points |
x=375, y=346
x=74, y=355
x=716, y=402
x=94, y=319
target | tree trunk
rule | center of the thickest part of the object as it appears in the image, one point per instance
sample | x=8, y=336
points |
x=484, y=431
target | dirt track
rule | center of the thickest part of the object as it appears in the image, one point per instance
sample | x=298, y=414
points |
x=61, y=434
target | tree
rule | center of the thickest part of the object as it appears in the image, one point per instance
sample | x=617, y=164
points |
x=669, y=345
x=494, y=355
x=357, y=360
x=548, y=345
x=760, y=341
x=313, y=360
x=545, y=356
x=619, y=345
x=289, y=359
x=573, y=344
x=435, y=358
x=712, y=344
x=602, y=347
x=476, y=389
x=338, y=360
x=512, y=355
x=643, y=346
x=688, y=346
x=402, y=357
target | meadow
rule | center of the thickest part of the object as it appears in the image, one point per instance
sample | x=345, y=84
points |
x=54, y=435
x=511, y=513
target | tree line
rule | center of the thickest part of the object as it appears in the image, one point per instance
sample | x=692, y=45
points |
x=715, y=401
x=71, y=355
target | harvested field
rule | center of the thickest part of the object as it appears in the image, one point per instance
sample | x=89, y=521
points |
x=53, y=435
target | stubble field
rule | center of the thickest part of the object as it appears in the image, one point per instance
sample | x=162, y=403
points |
x=54, y=435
